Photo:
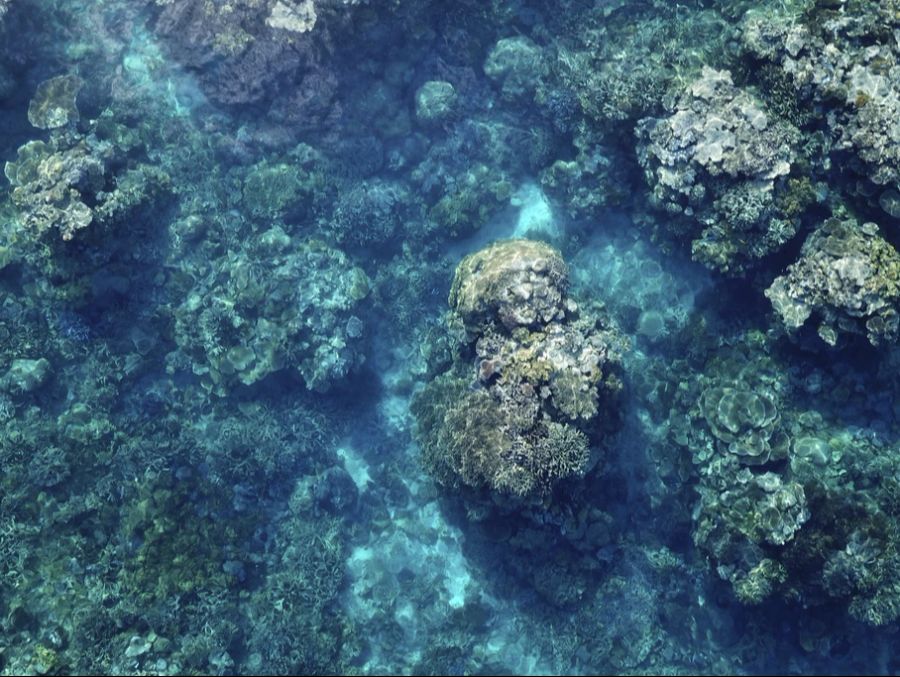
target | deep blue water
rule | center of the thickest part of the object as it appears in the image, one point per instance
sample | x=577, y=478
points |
x=406, y=336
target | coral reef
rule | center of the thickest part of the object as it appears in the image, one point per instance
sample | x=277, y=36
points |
x=516, y=65
x=840, y=59
x=274, y=304
x=436, y=102
x=248, y=53
x=79, y=178
x=49, y=184
x=790, y=521
x=847, y=276
x=720, y=162
x=241, y=431
x=622, y=62
x=373, y=214
x=542, y=375
x=53, y=104
x=594, y=179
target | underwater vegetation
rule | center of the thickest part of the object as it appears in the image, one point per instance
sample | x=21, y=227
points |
x=416, y=337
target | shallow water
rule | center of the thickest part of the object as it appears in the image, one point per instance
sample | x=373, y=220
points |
x=274, y=400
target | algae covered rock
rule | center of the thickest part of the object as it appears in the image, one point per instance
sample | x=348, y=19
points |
x=272, y=52
x=533, y=384
x=272, y=190
x=848, y=277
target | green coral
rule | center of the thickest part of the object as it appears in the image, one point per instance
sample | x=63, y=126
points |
x=48, y=186
x=44, y=660
x=436, y=102
x=272, y=191
x=517, y=65
x=173, y=555
x=468, y=439
x=470, y=202
x=745, y=423
x=760, y=582
x=470, y=443
x=53, y=104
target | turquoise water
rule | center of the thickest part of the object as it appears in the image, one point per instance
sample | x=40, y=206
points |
x=406, y=336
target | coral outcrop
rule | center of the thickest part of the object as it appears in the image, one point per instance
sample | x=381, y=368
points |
x=274, y=304
x=78, y=177
x=848, y=279
x=720, y=164
x=533, y=381
x=848, y=61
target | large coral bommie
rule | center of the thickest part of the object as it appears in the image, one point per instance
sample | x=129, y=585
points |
x=544, y=381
